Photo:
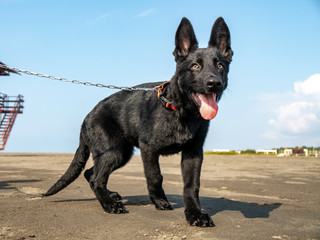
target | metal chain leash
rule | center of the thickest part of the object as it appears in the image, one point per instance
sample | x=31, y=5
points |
x=2, y=66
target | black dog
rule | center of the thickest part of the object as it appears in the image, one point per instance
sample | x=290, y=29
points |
x=174, y=119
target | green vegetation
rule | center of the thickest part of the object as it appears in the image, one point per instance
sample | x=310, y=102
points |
x=233, y=152
x=221, y=153
x=248, y=151
x=253, y=151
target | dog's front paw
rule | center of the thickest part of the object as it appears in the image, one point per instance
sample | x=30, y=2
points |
x=162, y=204
x=114, y=207
x=114, y=195
x=199, y=219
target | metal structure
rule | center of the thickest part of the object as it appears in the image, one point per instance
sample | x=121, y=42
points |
x=4, y=71
x=10, y=107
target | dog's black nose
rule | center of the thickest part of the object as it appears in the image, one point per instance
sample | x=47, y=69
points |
x=213, y=83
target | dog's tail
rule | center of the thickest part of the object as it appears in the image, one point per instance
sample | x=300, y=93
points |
x=77, y=165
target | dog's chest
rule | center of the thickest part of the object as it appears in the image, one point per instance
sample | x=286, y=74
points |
x=178, y=133
x=171, y=136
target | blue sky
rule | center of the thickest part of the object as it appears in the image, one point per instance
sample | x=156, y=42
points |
x=273, y=94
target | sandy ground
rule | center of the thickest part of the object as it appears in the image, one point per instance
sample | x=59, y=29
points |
x=248, y=197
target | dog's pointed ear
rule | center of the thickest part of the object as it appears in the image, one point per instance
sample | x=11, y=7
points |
x=185, y=40
x=220, y=38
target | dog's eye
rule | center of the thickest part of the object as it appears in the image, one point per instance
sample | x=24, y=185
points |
x=219, y=66
x=195, y=67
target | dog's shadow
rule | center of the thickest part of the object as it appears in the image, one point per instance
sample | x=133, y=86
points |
x=213, y=205
x=210, y=205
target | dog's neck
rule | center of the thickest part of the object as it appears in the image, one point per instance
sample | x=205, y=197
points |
x=180, y=99
x=161, y=93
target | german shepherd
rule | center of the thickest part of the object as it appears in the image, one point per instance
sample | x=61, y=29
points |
x=174, y=118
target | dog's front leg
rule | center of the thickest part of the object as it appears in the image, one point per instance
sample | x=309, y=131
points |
x=154, y=180
x=191, y=167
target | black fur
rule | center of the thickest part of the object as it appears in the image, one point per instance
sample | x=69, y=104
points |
x=135, y=118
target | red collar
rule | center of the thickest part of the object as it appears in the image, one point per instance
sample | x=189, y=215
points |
x=160, y=91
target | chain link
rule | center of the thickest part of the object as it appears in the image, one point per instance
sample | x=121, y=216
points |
x=100, y=85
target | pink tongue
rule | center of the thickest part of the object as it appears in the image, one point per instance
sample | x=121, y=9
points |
x=209, y=107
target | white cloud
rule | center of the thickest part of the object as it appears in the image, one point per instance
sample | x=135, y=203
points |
x=311, y=86
x=297, y=117
x=145, y=13
x=300, y=118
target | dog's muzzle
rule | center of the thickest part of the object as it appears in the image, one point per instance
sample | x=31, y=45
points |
x=214, y=84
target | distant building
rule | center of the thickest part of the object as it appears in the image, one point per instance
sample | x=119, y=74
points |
x=299, y=151
x=267, y=151
x=313, y=153
x=287, y=152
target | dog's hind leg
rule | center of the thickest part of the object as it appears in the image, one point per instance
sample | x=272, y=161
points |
x=154, y=180
x=110, y=151
x=114, y=195
x=104, y=165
